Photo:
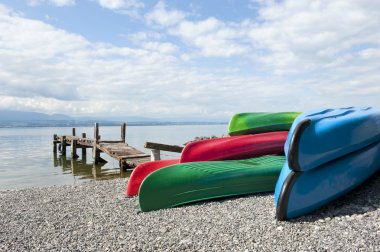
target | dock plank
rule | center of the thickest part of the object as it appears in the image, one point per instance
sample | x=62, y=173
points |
x=121, y=150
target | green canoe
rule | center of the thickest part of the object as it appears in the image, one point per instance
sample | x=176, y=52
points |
x=253, y=123
x=190, y=182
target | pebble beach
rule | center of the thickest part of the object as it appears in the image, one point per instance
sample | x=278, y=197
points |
x=96, y=216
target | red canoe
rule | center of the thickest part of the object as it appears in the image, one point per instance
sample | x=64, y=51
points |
x=237, y=147
x=225, y=148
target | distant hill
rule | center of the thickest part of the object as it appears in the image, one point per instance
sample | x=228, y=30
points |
x=10, y=118
x=10, y=115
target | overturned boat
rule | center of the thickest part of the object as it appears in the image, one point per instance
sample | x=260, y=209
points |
x=225, y=148
x=329, y=152
x=259, y=122
x=191, y=182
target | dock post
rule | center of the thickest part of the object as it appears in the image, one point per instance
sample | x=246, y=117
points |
x=155, y=155
x=63, y=146
x=72, y=166
x=95, y=171
x=55, y=143
x=74, y=149
x=55, y=159
x=73, y=132
x=95, y=151
x=84, y=152
x=123, y=125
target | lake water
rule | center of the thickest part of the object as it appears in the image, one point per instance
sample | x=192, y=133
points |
x=27, y=158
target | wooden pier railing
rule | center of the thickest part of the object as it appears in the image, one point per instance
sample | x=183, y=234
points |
x=156, y=149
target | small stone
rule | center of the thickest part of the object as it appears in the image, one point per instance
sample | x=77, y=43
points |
x=185, y=241
x=163, y=230
x=359, y=217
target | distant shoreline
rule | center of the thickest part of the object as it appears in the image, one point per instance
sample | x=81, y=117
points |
x=37, y=124
x=22, y=119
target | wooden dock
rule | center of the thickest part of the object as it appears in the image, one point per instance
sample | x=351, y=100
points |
x=128, y=156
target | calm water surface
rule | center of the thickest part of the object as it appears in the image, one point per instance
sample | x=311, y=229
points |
x=27, y=158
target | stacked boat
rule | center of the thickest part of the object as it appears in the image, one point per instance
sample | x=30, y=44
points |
x=308, y=159
x=250, y=161
x=328, y=153
x=226, y=148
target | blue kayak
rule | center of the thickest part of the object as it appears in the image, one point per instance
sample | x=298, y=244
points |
x=318, y=137
x=329, y=152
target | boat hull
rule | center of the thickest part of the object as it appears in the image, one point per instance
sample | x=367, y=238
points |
x=226, y=148
x=191, y=182
x=253, y=123
x=329, y=152
x=236, y=147
x=299, y=193
x=318, y=137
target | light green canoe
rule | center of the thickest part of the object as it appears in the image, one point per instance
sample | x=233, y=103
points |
x=253, y=123
x=190, y=182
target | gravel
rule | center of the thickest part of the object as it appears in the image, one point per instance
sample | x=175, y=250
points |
x=95, y=216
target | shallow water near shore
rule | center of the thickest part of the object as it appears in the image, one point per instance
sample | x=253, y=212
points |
x=27, y=158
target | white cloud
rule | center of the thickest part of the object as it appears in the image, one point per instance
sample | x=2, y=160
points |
x=63, y=2
x=164, y=17
x=123, y=6
x=140, y=37
x=162, y=48
x=68, y=74
x=299, y=55
x=127, y=7
x=120, y=4
x=322, y=57
x=34, y=2
x=213, y=37
x=372, y=54
x=35, y=48
x=300, y=36
x=287, y=37
x=59, y=3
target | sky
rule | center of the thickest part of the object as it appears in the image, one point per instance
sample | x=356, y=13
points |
x=187, y=59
